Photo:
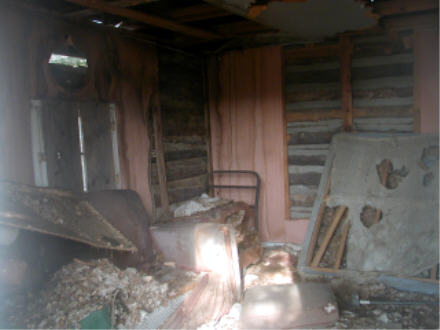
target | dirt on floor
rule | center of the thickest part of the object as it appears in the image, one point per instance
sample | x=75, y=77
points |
x=278, y=266
x=80, y=288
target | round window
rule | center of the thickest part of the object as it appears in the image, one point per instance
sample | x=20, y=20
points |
x=68, y=66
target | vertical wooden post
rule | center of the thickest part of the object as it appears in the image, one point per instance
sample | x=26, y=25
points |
x=160, y=158
x=346, y=91
x=426, y=81
x=209, y=92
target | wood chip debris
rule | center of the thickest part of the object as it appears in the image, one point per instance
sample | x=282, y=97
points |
x=80, y=288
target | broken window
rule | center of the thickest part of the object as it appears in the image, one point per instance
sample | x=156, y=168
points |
x=74, y=145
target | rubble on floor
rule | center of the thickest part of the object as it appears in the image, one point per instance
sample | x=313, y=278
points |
x=277, y=266
x=81, y=287
x=418, y=316
x=197, y=205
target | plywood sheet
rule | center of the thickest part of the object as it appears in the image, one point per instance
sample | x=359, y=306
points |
x=248, y=131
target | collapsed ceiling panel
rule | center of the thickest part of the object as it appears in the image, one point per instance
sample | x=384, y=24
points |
x=60, y=213
x=311, y=19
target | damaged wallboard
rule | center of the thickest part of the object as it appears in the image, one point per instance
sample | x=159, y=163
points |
x=60, y=213
x=389, y=185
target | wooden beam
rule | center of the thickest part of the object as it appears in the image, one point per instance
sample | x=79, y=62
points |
x=145, y=18
x=197, y=13
x=160, y=158
x=242, y=27
x=341, y=247
x=328, y=235
x=318, y=221
x=313, y=115
x=421, y=21
x=312, y=51
x=357, y=112
x=346, y=90
x=397, y=7
x=119, y=3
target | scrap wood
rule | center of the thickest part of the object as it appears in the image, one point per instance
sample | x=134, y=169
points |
x=317, y=226
x=337, y=218
x=61, y=213
x=210, y=300
x=341, y=248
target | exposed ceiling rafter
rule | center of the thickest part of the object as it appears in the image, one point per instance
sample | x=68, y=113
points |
x=103, y=6
x=119, y=3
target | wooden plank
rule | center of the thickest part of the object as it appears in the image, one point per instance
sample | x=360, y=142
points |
x=242, y=27
x=312, y=51
x=89, y=12
x=197, y=13
x=145, y=18
x=314, y=238
x=341, y=247
x=206, y=90
x=328, y=236
x=346, y=90
x=160, y=158
x=396, y=7
x=428, y=21
x=314, y=115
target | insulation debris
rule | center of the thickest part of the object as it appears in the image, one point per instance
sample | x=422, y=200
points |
x=276, y=267
x=80, y=288
x=196, y=205
x=229, y=321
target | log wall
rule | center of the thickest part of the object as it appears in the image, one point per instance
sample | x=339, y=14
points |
x=382, y=94
x=184, y=131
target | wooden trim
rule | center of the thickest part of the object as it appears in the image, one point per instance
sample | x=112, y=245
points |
x=285, y=146
x=312, y=51
x=145, y=18
x=206, y=111
x=346, y=90
x=328, y=235
x=160, y=158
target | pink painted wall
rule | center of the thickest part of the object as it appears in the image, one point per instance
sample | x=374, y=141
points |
x=248, y=131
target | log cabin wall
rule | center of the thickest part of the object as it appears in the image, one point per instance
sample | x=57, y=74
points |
x=120, y=71
x=182, y=100
x=312, y=91
x=382, y=102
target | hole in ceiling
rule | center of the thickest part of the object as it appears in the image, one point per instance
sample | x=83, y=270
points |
x=370, y=216
x=68, y=66
x=389, y=177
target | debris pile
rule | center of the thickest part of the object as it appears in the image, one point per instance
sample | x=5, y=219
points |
x=197, y=205
x=229, y=321
x=80, y=288
x=423, y=314
x=277, y=266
